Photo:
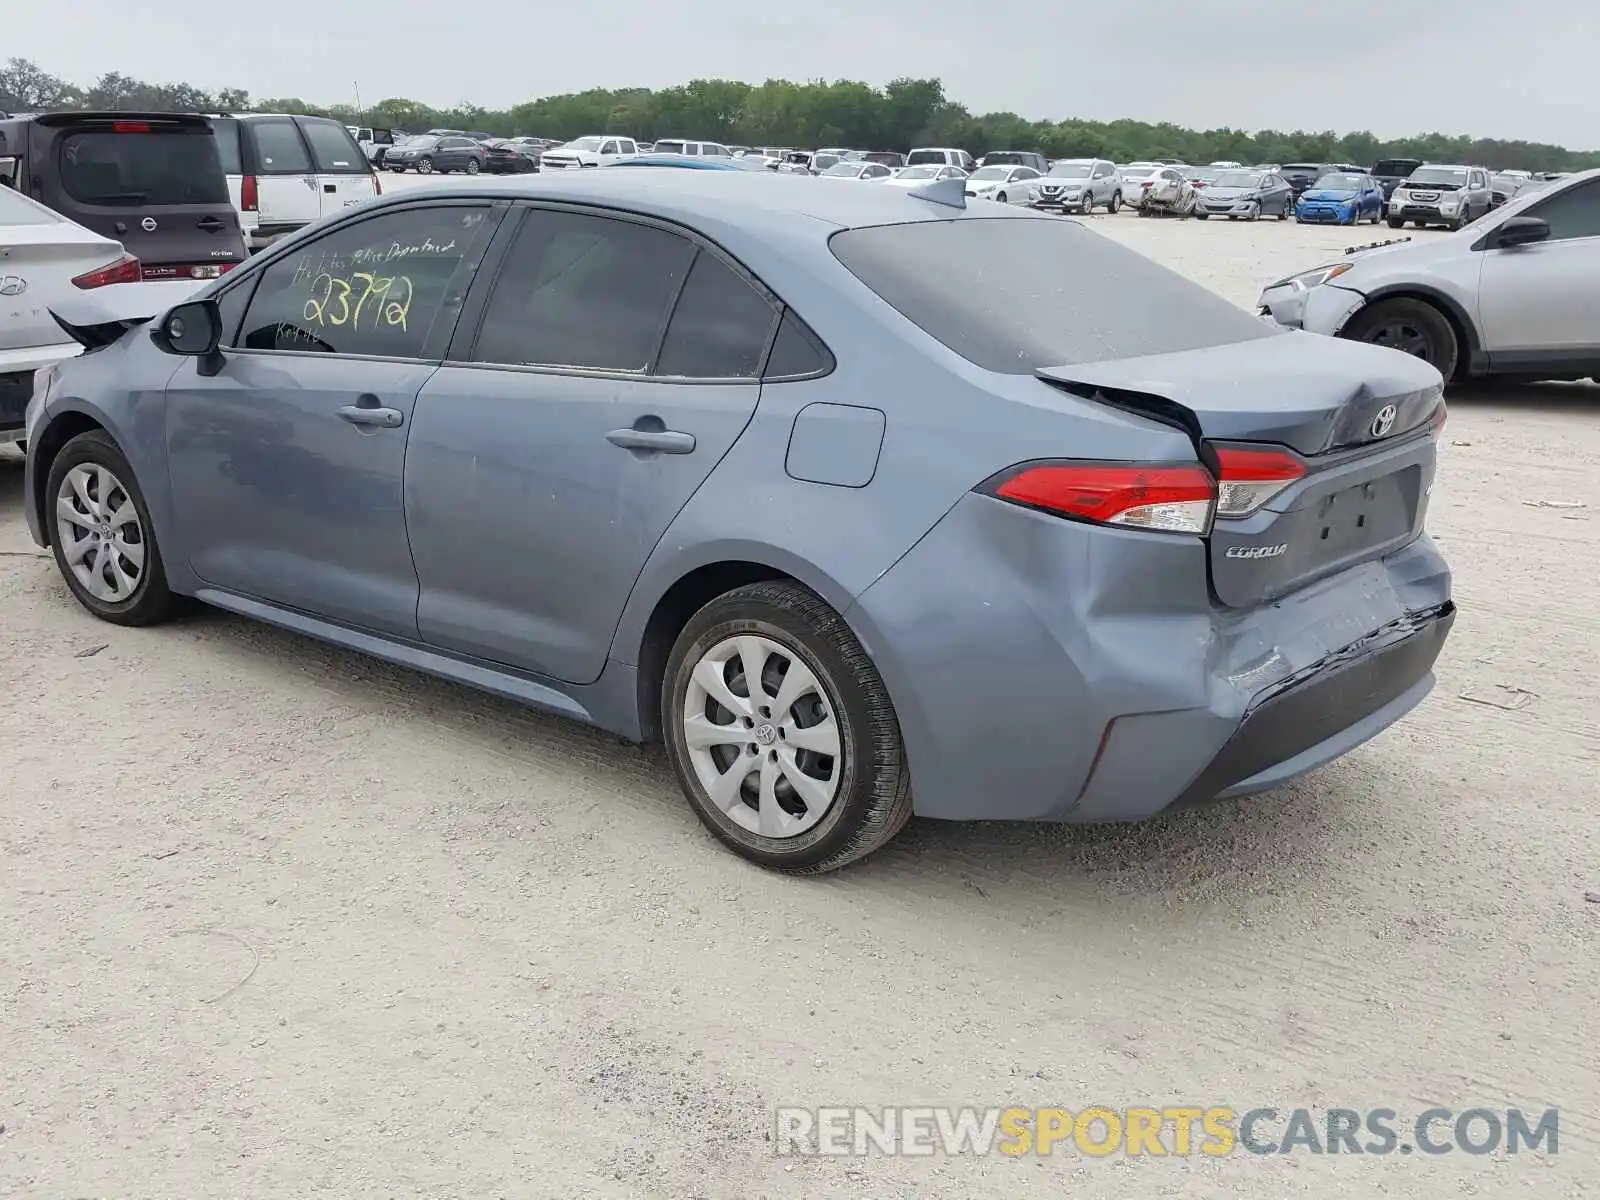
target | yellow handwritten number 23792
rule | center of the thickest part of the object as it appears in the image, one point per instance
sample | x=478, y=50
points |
x=331, y=300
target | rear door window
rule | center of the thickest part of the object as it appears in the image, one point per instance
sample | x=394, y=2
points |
x=164, y=166
x=1013, y=295
x=333, y=150
x=378, y=287
x=583, y=292
x=720, y=327
x=279, y=150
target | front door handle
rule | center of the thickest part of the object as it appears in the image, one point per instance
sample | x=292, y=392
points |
x=381, y=418
x=330, y=187
x=660, y=441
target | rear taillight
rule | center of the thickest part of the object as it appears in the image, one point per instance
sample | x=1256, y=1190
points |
x=1247, y=479
x=204, y=271
x=1440, y=416
x=124, y=270
x=130, y=127
x=1171, y=499
x=377, y=185
x=250, y=194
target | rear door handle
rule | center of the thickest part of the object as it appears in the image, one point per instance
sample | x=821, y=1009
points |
x=662, y=441
x=382, y=418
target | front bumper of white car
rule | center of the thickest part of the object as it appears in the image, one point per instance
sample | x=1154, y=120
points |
x=1323, y=309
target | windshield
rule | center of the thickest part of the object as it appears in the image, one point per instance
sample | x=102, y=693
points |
x=1142, y=168
x=589, y=144
x=1340, y=182
x=991, y=173
x=1236, y=179
x=1202, y=174
x=164, y=166
x=1002, y=157
x=926, y=156
x=918, y=173
x=1070, y=171
x=992, y=291
x=848, y=170
x=1437, y=175
x=421, y=141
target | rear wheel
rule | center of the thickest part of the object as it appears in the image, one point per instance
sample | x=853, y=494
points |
x=1116, y=203
x=1412, y=326
x=472, y=166
x=104, y=545
x=781, y=732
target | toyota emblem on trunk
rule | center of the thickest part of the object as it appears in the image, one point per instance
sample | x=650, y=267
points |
x=1384, y=421
x=148, y=224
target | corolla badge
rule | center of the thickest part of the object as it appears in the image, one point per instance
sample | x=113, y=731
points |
x=1257, y=551
x=12, y=285
x=1384, y=421
x=148, y=224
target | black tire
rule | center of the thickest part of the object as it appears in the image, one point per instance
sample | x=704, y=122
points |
x=151, y=602
x=1115, y=204
x=424, y=166
x=1412, y=326
x=1001, y=197
x=472, y=166
x=873, y=800
x=1202, y=216
x=1397, y=222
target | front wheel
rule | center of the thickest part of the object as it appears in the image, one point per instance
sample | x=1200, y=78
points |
x=1202, y=216
x=1001, y=198
x=100, y=531
x=1254, y=214
x=425, y=166
x=781, y=731
x=1397, y=223
x=1412, y=326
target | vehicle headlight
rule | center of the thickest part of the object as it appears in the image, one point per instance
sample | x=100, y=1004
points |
x=1033, y=193
x=1307, y=280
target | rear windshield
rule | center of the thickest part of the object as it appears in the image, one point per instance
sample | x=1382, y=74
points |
x=333, y=149
x=165, y=166
x=926, y=156
x=1016, y=294
x=1396, y=166
x=226, y=131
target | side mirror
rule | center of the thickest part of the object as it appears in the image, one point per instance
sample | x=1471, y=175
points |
x=1519, y=231
x=193, y=330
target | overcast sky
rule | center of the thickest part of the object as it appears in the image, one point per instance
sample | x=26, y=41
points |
x=1484, y=67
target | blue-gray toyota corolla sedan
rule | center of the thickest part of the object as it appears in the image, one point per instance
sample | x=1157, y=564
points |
x=865, y=503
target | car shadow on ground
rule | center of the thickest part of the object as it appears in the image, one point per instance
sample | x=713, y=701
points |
x=1527, y=397
x=1208, y=856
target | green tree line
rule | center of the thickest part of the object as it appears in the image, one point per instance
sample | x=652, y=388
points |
x=902, y=114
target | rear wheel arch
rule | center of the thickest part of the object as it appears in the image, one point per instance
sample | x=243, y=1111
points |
x=1466, y=333
x=47, y=444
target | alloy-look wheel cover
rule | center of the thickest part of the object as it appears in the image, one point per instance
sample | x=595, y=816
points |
x=763, y=736
x=98, y=529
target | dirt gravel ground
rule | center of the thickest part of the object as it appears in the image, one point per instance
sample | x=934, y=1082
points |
x=276, y=920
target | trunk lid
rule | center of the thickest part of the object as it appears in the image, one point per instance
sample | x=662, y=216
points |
x=1358, y=419
x=37, y=266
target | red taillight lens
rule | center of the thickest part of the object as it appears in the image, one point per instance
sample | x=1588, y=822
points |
x=124, y=270
x=1247, y=479
x=250, y=194
x=1439, y=418
x=377, y=185
x=130, y=127
x=1172, y=499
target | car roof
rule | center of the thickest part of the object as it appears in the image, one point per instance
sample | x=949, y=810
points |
x=734, y=199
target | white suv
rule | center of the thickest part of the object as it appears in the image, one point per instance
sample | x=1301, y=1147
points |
x=284, y=172
x=1512, y=294
x=593, y=151
x=692, y=149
